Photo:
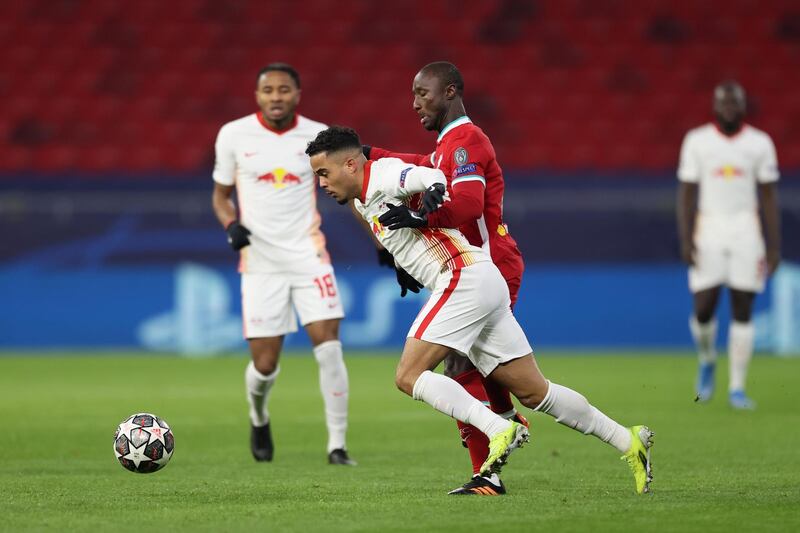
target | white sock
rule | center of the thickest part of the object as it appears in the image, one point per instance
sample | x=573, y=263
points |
x=258, y=386
x=705, y=338
x=740, y=351
x=448, y=397
x=573, y=410
x=335, y=391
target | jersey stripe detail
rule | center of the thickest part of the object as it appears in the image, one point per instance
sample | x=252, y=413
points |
x=471, y=177
x=452, y=125
x=438, y=305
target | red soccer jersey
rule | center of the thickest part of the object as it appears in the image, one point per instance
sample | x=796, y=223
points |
x=475, y=182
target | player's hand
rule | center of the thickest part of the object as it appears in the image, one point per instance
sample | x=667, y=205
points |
x=401, y=216
x=773, y=260
x=687, y=252
x=433, y=197
x=237, y=235
x=406, y=282
x=385, y=258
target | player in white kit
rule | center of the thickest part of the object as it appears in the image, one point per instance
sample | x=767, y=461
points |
x=729, y=163
x=469, y=310
x=283, y=261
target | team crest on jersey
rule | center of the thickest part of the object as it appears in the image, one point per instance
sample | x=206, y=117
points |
x=403, y=175
x=279, y=178
x=461, y=156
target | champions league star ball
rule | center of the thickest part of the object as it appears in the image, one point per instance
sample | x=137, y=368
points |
x=143, y=443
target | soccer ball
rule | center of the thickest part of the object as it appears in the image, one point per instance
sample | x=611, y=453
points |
x=143, y=443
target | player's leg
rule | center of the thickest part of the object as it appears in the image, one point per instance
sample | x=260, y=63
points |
x=706, y=276
x=741, y=335
x=267, y=317
x=451, y=320
x=747, y=278
x=415, y=377
x=572, y=409
x=503, y=353
x=703, y=326
x=259, y=377
x=316, y=298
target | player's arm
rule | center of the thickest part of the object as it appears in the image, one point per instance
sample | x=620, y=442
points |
x=686, y=214
x=467, y=192
x=373, y=152
x=411, y=180
x=222, y=197
x=768, y=191
x=686, y=205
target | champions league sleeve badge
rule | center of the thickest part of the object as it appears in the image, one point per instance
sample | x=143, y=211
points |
x=460, y=156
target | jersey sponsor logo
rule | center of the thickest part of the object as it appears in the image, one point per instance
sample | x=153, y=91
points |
x=403, y=175
x=377, y=227
x=279, y=178
x=728, y=172
x=463, y=170
x=461, y=156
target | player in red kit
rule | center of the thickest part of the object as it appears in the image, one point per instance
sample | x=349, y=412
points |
x=475, y=185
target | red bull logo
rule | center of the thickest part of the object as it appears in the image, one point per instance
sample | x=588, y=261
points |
x=728, y=172
x=377, y=227
x=279, y=178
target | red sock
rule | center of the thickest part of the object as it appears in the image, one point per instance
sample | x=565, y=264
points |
x=477, y=442
x=499, y=397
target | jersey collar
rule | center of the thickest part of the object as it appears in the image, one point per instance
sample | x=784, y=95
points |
x=266, y=125
x=452, y=125
x=365, y=185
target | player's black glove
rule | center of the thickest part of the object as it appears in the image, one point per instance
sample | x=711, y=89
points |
x=237, y=235
x=433, y=197
x=406, y=282
x=385, y=258
x=366, y=150
x=401, y=216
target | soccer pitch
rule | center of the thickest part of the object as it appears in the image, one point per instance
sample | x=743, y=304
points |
x=715, y=469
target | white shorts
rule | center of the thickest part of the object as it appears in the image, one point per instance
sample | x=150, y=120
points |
x=267, y=301
x=470, y=312
x=730, y=251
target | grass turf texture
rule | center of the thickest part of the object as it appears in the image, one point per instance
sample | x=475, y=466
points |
x=715, y=469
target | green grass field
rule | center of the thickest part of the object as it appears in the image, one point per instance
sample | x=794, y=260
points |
x=715, y=469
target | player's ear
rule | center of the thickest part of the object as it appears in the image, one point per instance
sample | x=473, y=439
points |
x=299, y=94
x=450, y=92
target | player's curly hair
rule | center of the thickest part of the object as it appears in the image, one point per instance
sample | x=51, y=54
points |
x=280, y=67
x=333, y=139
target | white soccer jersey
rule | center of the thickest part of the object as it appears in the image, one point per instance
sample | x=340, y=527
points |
x=425, y=253
x=727, y=169
x=276, y=192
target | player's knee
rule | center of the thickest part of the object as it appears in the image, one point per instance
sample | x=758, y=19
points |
x=532, y=399
x=742, y=314
x=404, y=381
x=704, y=315
x=265, y=365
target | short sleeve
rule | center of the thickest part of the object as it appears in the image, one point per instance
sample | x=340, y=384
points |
x=767, y=170
x=689, y=166
x=225, y=158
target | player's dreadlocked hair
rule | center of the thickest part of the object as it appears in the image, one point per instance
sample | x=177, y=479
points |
x=448, y=73
x=280, y=67
x=334, y=139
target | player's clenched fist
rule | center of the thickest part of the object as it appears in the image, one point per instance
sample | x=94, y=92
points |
x=237, y=235
x=433, y=197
